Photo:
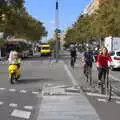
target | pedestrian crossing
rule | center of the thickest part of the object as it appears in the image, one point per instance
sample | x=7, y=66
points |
x=17, y=104
x=48, y=61
x=18, y=91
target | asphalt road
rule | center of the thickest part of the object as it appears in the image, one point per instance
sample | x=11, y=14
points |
x=22, y=100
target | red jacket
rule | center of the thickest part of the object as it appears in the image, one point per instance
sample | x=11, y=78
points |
x=103, y=60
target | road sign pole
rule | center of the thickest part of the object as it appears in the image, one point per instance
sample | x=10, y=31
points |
x=57, y=27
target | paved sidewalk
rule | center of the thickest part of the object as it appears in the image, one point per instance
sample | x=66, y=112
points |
x=71, y=106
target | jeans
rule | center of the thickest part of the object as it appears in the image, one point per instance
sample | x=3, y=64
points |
x=87, y=70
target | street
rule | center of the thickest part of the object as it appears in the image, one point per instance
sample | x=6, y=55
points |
x=22, y=100
x=25, y=94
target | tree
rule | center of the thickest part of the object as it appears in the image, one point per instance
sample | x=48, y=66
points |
x=104, y=22
x=19, y=23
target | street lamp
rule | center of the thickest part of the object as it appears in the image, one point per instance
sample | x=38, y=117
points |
x=57, y=31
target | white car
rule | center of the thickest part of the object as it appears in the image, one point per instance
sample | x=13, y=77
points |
x=115, y=55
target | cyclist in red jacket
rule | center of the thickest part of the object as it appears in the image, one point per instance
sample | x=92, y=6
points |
x=102, y=63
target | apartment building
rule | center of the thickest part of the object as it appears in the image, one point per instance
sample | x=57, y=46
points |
x=92, y=6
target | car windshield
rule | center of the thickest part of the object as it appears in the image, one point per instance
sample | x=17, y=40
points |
x=45, y=48
x=118, y=53
x=11, y=47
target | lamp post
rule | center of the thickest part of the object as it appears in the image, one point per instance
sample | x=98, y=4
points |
x=57, y=30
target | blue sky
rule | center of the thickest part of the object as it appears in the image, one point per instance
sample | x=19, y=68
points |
x=44, y=10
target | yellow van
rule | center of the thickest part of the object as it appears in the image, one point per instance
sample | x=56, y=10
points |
x=45, y=49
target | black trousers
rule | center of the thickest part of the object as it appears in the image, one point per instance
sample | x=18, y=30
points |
x=102, y=71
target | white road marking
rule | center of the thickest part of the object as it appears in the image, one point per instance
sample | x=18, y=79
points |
x=12, y=90
x=35, y=92
x=118, y=102
x=2, y=88
x=95, y=94
x=100, y=95
x=1, y=103
x=23, y=91
x=21, y=114
x=13, y=105
x=114, y=78
x=28, y=107
x=102, y=100
x=70, y=75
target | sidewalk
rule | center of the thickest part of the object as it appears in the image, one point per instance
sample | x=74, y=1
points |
x=70, y=106
x=61, y=104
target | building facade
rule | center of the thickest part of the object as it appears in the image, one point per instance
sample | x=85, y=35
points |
x=93, y=5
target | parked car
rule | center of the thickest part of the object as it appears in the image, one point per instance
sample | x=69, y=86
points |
x=115, y=55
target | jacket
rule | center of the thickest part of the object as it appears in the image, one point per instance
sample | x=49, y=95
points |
x=103, y=60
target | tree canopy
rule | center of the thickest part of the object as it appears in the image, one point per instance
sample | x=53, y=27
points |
x=18, y=22
x=103, y=22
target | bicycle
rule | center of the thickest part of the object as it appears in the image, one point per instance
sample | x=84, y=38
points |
x=88, y=73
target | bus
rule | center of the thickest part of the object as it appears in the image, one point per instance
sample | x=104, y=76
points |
x=20, y=47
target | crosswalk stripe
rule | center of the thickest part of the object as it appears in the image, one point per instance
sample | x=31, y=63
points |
x=13, y=105
x=23, y=91
x=1, y=103
x=20, y=114
x=28, y=107
x=35, y=92
x=118, y=102
x=102, y=100
x=2, y=88
x=12, y=90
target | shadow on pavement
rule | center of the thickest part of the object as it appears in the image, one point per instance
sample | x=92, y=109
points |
x=33, y=80
x=117, y=69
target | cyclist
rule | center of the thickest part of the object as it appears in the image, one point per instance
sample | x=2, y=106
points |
x=102, y=63
x=73, y=54
x=88, y=60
